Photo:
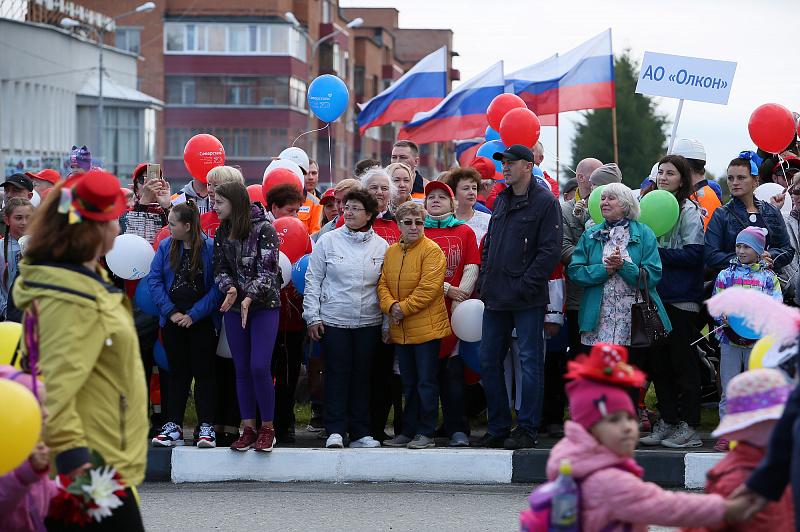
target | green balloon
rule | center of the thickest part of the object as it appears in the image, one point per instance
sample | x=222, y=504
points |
x=594, y=205
x=659, y=211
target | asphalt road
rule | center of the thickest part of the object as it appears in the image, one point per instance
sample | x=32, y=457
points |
x=354, y=507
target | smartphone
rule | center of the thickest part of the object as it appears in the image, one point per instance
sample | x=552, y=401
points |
x=153, y=171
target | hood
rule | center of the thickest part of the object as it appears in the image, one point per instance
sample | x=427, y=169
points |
x=760, y=265
x=585, y=454
x=258, y=212
x=68, y=282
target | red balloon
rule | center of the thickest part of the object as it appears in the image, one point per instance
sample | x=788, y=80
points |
x=501, y=105
x=293, y=237
x=279, y=176
x=255, y=193
x=202, y=153
x=161, y=235
x=772, y=127
x=520, y=126
x=209, y=222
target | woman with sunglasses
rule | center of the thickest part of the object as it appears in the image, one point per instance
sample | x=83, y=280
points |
x=745, y=210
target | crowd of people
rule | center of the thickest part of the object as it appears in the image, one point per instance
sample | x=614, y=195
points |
x=391, y=256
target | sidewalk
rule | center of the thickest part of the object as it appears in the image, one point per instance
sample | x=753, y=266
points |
x=307, y=460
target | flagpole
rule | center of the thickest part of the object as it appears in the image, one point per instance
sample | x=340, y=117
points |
x=614, y=128
x=558, y=152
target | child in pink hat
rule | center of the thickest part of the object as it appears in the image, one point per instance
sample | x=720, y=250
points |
x=26, y=492
x=599, y=442
x=756, y=400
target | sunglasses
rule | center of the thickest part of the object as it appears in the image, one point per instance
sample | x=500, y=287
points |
x=418, y=223
x=796, y=192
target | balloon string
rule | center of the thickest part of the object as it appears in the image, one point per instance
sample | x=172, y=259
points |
x=312, y=131
x=330, y=156
x=565, y=165
x=789, y=186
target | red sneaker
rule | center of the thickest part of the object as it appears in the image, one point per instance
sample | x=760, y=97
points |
x=245, y=441
x=266, y=439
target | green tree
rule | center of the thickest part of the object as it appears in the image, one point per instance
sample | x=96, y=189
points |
x=641, y=137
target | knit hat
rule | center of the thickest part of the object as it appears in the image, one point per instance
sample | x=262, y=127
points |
x=25, y=379
x=608, y=173
x=753, y=237
x=600, y=385
x=81, y=157
x=753, y=396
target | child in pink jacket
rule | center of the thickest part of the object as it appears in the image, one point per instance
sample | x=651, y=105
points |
x=26, y=492
x=599, y=443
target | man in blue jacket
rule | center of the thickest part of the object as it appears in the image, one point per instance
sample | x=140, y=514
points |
x=520, y=252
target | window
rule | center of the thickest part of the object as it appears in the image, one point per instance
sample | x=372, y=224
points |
x=238, y=142
x=236, y=39
x=128, y=39
x=121, y=134
x=216, y=38
x=175, y=38
x=191, y=37
x=264, y=91
x=358, y=82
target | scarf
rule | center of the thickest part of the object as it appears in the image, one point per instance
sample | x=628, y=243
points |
x=604, y=234
x=442, y=221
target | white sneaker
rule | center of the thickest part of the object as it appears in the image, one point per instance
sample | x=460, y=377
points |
x=366, y=441
x=661, y=431
x=334, y=441
x=171, y=436
x=684, y=436
x=207, y=439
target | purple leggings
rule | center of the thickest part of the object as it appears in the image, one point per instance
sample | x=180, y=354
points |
x=252, y=348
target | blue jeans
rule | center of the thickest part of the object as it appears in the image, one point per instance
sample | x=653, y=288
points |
x=497, y=327
x=419, y=365
x=348, y=362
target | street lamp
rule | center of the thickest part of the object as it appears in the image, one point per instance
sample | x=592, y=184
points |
x=71, y=23
x=314, y=46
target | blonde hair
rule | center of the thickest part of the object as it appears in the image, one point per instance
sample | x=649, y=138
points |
x=225, y=174
x=409, y=208
x=346, y=184
x=394, y=166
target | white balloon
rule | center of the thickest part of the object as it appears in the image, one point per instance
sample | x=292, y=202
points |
x=223, y=349
x=36, y=199
x=130, y=257
x=767, y=190
x=285, y=163
x=286, y=269
x=467, y=320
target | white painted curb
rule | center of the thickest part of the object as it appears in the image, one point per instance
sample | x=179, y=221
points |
x=452, y=466
x=696, y=465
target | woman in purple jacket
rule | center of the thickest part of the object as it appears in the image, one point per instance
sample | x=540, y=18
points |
x=246, y=271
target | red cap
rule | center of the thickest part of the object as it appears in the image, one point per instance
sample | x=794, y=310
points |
x=327, y=196
x=433, y=185
x=96, y=195
x=47, y=174
x=484, y=166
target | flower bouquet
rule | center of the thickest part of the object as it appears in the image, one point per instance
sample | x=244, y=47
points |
x=91, y=496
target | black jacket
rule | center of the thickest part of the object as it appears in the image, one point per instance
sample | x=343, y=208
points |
x=521, y=250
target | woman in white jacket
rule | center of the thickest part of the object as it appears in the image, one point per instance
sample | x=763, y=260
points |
x=342, y=311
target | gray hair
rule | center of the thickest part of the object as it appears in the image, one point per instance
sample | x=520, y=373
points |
x=377, y=171
x=629, y=203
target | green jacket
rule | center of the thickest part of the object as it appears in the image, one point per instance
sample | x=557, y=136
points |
x=573, y=229
x=588, y=270
x=96, y=392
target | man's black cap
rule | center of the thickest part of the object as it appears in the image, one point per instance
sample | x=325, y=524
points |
x=515, y=153
x=19, y=180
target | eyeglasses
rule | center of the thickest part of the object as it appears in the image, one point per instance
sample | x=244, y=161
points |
x=356, y=210
x=418, y=223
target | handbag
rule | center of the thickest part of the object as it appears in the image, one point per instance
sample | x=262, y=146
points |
x=647, y=329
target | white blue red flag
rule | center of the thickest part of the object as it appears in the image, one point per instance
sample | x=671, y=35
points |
x=582, y=78
x=419, y=89
x=462, y=115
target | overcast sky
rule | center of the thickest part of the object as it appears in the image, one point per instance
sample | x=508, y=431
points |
x=762, y=36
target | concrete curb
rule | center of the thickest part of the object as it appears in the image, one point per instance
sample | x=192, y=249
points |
x=696, y=467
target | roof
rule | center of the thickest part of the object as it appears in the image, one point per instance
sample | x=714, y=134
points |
x=113, y=90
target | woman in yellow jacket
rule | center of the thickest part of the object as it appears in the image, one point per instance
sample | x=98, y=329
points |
x=411, y=292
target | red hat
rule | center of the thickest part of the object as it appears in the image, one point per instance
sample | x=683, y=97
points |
x=95, y=195
x=327, y=197
x=47, y=174
x=791, y=162
x=433, y=185
x=484, y=166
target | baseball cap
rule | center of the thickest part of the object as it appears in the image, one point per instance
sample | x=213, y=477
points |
x=793, y=163
x=47, y=174
x=570, y=185
x=484, y=166
x=433, y=185
x=515, y=152
x=690, y=149
x=327, y=197
x=19, y=180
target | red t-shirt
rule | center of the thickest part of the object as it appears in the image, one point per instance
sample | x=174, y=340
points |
x=387, y=230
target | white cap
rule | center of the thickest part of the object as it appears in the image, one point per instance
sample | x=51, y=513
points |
x=297, y=156
x=654, y=173
x=689, y=148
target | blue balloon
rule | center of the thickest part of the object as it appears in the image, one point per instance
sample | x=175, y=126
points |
x=144, y=299
x=299, y=273
x=488, y=149
x=490, y=134
x=160, y=355
x=328, y=97
x=742, y=329
x=469, y=354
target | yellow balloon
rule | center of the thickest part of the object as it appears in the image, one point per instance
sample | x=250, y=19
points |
x=759, y=350
x=21, y=419
x=10, y=333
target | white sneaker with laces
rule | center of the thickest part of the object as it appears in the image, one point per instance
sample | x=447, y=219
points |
x=171, y=436
x=334, y=441
x=684, y=436
x=365, y=442
x=661, y=431
x=207, y=438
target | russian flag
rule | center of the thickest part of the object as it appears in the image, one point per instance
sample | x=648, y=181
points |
x=582, y=78
x=462, y=115
x=467, y=150
x=419, y=89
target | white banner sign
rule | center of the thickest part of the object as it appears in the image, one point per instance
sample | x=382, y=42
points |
x=688, y=78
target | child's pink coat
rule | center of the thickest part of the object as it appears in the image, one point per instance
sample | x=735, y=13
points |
x=17, y=490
